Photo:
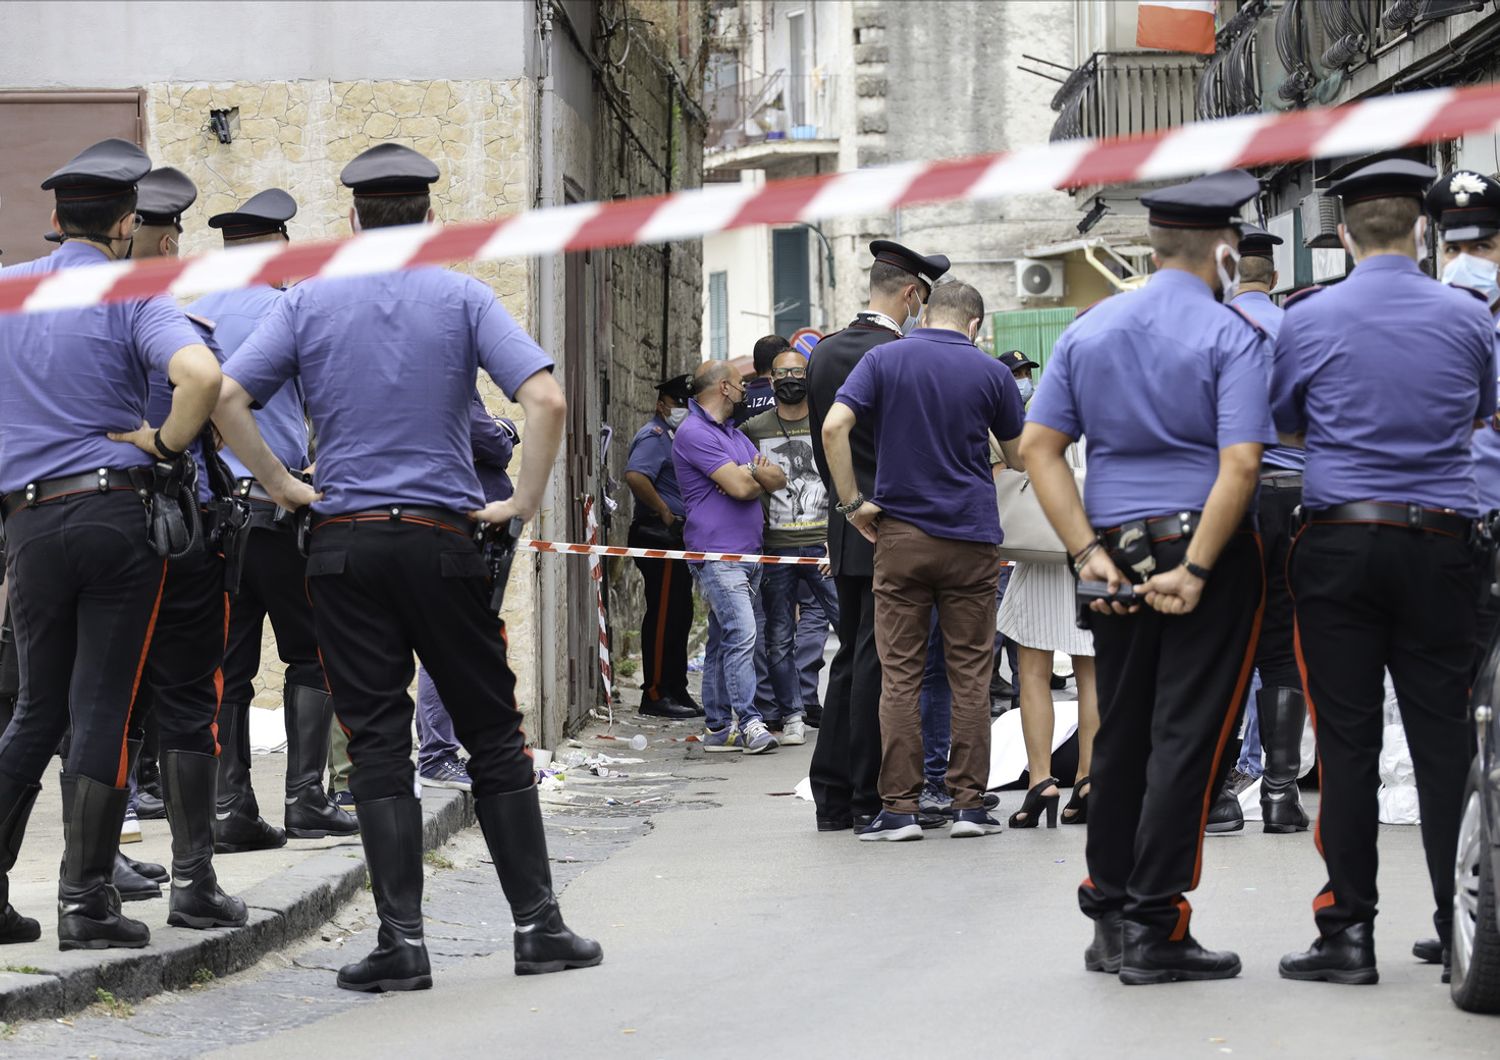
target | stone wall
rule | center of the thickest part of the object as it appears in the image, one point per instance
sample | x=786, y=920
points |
x=298, y=135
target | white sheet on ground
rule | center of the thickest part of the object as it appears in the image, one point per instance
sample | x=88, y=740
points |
x=1008, y=748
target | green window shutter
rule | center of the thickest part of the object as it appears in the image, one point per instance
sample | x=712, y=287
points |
x=718, y=315
x=1032, y=331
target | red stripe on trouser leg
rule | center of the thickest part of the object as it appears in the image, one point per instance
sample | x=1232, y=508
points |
x=122, y=774
x=1324, y=899
x=1184, y=914
x=213, y=727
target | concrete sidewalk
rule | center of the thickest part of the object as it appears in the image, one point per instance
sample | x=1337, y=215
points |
x=290, y=892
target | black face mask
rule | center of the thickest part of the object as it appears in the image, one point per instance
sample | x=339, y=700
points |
x=791, y=391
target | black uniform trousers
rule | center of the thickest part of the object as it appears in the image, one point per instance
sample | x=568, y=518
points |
x=383, y=589
x=272, y=583
x=845, y=769
x=1488, y=612
x=84, y=590
x=666, y=624
x=1170, y=688
x=1370, y=599
x=183, y=680
x=1276, y=656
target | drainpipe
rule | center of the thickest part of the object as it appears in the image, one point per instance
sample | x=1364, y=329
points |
x=551, y=513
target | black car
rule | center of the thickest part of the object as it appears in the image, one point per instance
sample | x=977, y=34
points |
x=1476, y=928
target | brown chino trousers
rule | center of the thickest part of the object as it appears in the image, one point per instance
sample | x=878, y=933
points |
x=915, y=572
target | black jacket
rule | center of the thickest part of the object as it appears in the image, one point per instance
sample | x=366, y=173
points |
x=832, y=360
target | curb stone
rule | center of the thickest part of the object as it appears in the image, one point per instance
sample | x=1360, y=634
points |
x=283, y=908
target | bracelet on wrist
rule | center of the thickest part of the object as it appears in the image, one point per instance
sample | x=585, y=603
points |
x=1083, y=555
x=852, y=507
x=163, y=449
x=1196, y=571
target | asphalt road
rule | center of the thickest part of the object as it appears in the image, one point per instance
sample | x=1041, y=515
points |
x=733, y=929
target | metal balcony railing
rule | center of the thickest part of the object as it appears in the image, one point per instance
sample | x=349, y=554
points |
x=1125, y=94
x=771, y=107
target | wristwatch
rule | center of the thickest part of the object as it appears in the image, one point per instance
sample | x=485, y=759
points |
x=852, y=507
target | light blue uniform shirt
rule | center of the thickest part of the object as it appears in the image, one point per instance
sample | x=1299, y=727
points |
x=67, y=378
x=281, y=420
x=1268, y=314
x=388, y=364
x=1386, y=373
x=1160, y=379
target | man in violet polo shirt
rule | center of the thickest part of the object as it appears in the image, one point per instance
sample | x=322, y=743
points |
x=934, y=398
x=722, y=476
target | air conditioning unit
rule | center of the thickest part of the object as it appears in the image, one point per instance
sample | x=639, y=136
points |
x=1037, y=278
x=1321, y=215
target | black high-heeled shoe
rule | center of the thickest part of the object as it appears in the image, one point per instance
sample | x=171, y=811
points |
x=1029, y=813
x=1077, y=809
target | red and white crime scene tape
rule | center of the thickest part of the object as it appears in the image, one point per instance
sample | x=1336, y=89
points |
x=1377, y=124
x=593, y=550
x=596, y=572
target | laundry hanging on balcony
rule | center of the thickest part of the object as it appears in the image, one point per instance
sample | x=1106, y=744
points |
x=1176, y=25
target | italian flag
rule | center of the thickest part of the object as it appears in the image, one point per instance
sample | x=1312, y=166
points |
x=1176, y=25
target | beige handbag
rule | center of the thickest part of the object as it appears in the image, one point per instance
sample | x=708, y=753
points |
x=1029, y=537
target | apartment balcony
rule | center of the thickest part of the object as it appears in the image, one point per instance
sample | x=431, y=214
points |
x=1125, y=94
x=772, y=122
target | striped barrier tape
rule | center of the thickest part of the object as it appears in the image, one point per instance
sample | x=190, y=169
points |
x=591, y=550
x=1377, y=124
x=596, y=573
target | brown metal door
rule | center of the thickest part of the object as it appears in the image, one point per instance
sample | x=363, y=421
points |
x=39, y=131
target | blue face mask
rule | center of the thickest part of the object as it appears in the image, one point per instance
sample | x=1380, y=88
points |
x=1479, y=273
x=1027, y=389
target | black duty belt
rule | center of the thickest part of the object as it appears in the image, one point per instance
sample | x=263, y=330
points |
x=1281, y=480
x=1158, y=528
x=105, y=480
x=405, y=513
x=1442, y=521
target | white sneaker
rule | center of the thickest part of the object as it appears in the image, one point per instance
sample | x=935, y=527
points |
x=130, y=827
x=793, y=732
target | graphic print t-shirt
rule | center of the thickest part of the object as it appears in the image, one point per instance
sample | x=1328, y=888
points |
x=798, y=515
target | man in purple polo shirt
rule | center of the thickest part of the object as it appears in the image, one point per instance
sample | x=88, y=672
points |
x=934, y=399
x=722, y=476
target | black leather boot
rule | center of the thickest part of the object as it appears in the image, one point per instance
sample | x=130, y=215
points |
x=1428, y=951
x=187, y=784
x=310, y=813
x=238, y=826
x=1347, y=957
x=1282, y=713
x=1103, y=954
x=513, y=830
x=148, y=802
x=88, y=906
x=1225, y=814
x=16, y=800
x=132, y=883
x=391, y=830
x=1147, y=955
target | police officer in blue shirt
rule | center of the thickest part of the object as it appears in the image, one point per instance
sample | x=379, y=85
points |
x=1170, y=387
x=179, y=683
x=1278, y=710
x=657, y=523
x=394, y=567
x=1382, y=570
x=85, y=580
x=268, y=581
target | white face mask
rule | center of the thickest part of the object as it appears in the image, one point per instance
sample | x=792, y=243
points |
x=1481, y=274
x=1027, y=388
x=676, y=416
x=913, y=320
x=1229, y=283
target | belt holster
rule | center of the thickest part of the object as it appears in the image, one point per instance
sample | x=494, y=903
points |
x=498, y=546
x=1132, y=551
x=174, y=526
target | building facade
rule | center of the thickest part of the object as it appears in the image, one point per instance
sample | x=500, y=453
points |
x=522, y=104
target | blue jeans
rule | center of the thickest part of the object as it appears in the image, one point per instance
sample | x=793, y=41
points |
x=937, y=711
x=435, y=738
x=780, y=586
x=814, y=620
x=730, y=590
x=1250, y=762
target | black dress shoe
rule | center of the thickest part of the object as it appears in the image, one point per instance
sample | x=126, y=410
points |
x=1148, y=955
x=813, y=719
x=835, y=823
x=148, y=806
x=1226, y=815
x=862, y=820
x=685, y=698
x=1428, y=951
x=1347, y=957
x=1103, y=954
x=666, y=707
